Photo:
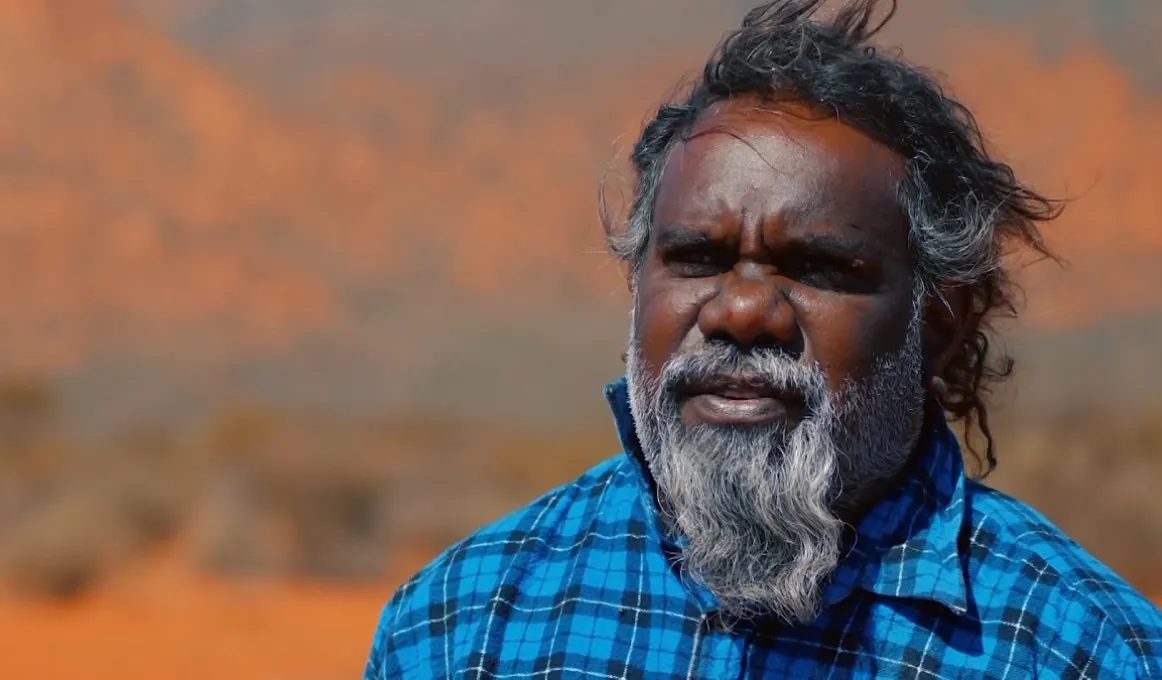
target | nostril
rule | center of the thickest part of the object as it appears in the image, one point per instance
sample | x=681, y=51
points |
x=721, y=338
x=765, y=341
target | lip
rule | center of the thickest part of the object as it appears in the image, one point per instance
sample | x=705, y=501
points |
x=730, y=400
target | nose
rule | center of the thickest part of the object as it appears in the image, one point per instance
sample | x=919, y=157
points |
x=751, y=310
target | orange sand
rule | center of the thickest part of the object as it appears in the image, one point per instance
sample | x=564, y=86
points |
x=161, y=620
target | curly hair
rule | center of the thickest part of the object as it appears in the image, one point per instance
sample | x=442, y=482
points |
x=965, y=209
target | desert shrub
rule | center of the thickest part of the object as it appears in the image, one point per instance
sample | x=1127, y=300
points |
x=65, y=541
x=295, y=495
x=70, y=512
x=27, y=408
x=63, y=546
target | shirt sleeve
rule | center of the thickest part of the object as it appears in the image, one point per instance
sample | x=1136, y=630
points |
x=1093, y=649
x=383, y=662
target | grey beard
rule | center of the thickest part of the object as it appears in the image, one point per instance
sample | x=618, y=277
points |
x=758, y=505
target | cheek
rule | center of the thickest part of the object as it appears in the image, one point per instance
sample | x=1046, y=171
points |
x=664, y=320
x=846, y=336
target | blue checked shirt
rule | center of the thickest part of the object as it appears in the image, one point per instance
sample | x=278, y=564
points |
x=947, y=579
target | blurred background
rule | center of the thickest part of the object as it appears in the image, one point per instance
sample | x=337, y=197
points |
x=298, y=292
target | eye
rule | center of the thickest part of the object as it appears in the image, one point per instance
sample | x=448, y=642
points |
x=698, y=262
x=829, y=272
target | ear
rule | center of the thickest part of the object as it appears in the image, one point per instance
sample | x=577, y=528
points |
x=948, y=319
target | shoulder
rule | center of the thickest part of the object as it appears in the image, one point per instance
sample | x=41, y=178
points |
x=453, y=593
x=1025, y=568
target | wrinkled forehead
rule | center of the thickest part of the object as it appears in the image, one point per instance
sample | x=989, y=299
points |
x=747, y=157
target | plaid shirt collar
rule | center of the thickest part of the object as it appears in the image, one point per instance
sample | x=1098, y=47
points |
x=906, y=546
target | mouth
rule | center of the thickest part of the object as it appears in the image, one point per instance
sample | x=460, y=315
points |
x=739, y=400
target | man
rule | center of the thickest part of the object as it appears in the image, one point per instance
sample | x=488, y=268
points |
x=815, y=253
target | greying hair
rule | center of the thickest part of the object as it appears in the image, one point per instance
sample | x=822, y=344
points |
x=964, y=208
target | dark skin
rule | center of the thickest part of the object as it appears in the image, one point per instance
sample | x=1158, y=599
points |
x=780, y=228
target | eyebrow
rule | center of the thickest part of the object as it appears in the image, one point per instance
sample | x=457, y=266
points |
x=683, y=237
x=839, y=247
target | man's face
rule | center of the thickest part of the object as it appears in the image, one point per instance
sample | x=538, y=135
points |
x=775, y=359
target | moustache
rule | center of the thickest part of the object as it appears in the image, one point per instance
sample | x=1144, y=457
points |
x=726, y=370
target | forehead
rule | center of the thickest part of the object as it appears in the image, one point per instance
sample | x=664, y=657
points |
x=746, y=162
